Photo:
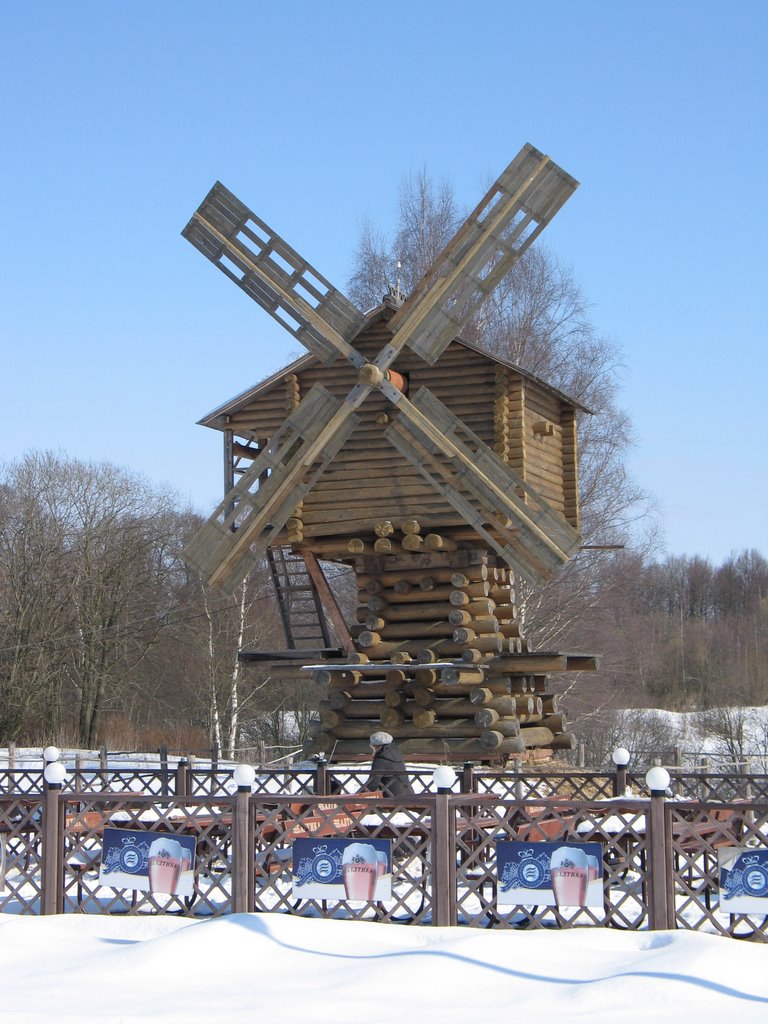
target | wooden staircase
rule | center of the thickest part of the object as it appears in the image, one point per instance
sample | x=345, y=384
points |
x=303, y=617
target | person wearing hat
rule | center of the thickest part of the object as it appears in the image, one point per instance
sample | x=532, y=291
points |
x=387, y=768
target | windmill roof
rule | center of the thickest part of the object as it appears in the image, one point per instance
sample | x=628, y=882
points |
x=253, y=392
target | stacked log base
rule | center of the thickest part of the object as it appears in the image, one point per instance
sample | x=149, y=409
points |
x=442, y=664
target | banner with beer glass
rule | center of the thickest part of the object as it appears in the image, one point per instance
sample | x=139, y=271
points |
x=743, y=880
x=148, y=861
x=549, y=874
x=342, y=869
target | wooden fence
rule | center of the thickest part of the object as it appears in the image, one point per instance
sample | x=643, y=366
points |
x=183, y=778
x=659, y=857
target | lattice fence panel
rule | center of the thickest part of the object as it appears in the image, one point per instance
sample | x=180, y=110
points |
x=547, y=785
x=618, y=828
x=718, y=786
x=20, y=855
x=698, y=834
x=279, y=823
x=22, y=780
x=352, y=780
x=209, y=821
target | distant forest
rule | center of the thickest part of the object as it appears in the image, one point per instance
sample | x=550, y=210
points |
x=107, y=636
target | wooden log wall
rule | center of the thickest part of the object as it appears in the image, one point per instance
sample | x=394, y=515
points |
x=504, y=408
x=441, y=665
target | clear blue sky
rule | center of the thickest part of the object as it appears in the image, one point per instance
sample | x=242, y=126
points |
x=117, y=335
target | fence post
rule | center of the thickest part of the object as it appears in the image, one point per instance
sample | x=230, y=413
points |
x=659, y=852
x=321, y=776
x=11, y=755
x=164, y=786
x=50, y=902
x=181, y=778
x=443, y=861
x=104, y=765
x=468, y=778
x=215, y=755
x=242, y=845
x=620, y=757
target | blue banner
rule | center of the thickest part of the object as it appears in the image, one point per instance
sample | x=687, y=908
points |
x=345, y=869
x=148, y=861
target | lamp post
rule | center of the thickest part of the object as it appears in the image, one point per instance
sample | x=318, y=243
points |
x=51, y=753
x=621, y=759
x=657, y=780
x=244, y=776
x=443, y=778
x=54, y=775
x=443, y=839
x=321, y=780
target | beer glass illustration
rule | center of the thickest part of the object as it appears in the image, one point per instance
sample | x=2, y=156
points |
x=569, y=871
x=382, y=865
x=359, y=868
x=164, y=860
x=186, y=860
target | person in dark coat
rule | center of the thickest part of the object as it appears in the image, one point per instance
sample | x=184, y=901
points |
x=387, y=767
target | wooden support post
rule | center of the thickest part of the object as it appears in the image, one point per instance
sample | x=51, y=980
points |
x=321, y=777
x=165, y=788
x=660, y=913
x=104, y=765
x=52, y=897
x=242, y=853
x=443, y=862
x=181, y=778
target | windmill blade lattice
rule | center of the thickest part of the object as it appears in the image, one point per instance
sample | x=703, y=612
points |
x=508, y=513
x=275, y=276
x=511, y=215
x=248, y=520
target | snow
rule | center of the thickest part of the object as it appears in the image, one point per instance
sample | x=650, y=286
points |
x=78, y=969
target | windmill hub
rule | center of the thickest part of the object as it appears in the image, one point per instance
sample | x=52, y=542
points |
x=371, y=375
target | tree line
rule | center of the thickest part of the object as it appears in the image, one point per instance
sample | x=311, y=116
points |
x=106, y=635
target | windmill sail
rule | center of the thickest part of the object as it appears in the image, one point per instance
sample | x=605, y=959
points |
x=506, y=512
x=250, y=517
x=495, y=235
x=273, y=274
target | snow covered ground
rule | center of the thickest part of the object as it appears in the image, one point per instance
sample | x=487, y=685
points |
x=79, y=969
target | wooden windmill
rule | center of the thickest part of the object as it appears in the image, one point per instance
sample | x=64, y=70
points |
x=436, y=471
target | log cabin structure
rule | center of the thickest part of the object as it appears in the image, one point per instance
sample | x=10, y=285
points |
x=436, y=472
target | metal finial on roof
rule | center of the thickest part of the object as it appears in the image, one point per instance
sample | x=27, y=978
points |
x=395, y=296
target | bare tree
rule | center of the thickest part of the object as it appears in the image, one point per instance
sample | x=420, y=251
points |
x=100, y=566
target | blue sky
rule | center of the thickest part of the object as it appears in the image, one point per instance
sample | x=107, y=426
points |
x=117, y=335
